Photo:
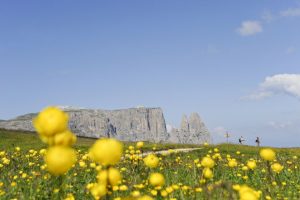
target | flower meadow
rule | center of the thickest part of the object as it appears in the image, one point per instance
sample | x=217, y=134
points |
x=111, y=170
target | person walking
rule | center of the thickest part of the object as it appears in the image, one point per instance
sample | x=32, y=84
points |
x=257, y=141
x=241, y=140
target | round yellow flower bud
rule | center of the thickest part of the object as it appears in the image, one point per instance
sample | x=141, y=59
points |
x=207, y=162
x=66, y=138
x=267, y=154
x=207, y=173
x=276, y=167
x=60, y=159
x=251, y=164
x=114, y=176
x=102, y=177
x=151, y=161
x=157, y=179
x=98, y=190
x=232, y=163
x=51, y=121
x=247, y=193
x=106, y=151
x=139, y=144
x=146, y=197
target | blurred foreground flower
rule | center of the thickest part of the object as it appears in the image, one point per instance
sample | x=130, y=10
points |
x=106, y=151
x=60, y=159
x=51, y=121
x=52, y=127
x=267, y=154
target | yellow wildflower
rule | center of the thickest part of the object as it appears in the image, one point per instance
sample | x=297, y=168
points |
x=267, y=154
x=151, y=161
x=157, y=179
x=51, y=121
x=106, y=151
x=60, y=159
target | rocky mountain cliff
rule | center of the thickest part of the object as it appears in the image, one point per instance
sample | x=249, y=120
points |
x=192, y=131
x=133, y=124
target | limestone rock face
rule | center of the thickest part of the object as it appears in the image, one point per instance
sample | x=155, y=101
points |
x=133, y=124
x=185, y=126
x=192, y=131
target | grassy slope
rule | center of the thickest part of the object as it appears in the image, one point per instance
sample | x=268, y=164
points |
x=175, y=171
x=28, y=140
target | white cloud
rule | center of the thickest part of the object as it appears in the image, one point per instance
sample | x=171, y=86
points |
x=258, y=95
x=252, y=27
x=278, y=84
x=248, y=28
x=291, y=12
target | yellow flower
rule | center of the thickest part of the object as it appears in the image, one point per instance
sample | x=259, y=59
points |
x=276, y=167
x=98, y=190
x=236, y=187
x=43, y=151
x=207, y=162
x=146, y=197
x=151, y=161
x=163, y=193
x=207, y=173
x=251, y=164
x=157, y=179
x=66, y=138
x=114, y=176
x=267, y=154
x=106, y=151
x=232, y=163
x=139, y=144
x=50, y=121
x=245, y=168
x=82, y=164
x=70, y=197
x=123, y=188
x=247, y=193
x=111, y=176
x=60, y=159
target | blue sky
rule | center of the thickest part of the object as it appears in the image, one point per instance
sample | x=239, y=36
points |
x=209, y=57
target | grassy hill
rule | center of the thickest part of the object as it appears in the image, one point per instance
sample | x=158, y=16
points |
x=22, y=175
x=29, y=140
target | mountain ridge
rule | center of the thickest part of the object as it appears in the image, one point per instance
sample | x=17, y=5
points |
x=131, y=124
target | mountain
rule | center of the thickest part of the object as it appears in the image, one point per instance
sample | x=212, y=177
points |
x=192, y=131
x=133, y=124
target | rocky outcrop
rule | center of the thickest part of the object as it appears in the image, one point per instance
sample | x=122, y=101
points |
x=133, y=124
x=192, y=131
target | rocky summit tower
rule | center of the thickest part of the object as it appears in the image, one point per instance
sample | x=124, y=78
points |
x=192, y=131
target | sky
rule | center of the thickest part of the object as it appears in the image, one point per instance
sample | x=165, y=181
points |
x=236, y=63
